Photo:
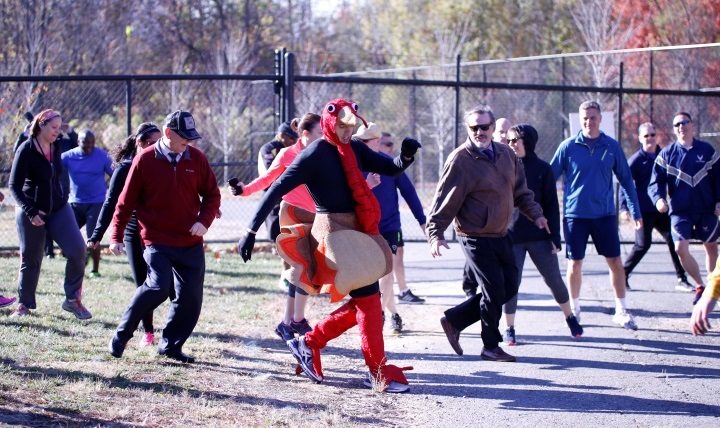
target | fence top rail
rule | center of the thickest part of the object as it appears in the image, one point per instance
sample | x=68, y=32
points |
x=256, y=78
x=528, y=58
x=125, y=77
x=500, y=85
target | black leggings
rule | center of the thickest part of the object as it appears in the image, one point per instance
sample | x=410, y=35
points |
x=134, y=250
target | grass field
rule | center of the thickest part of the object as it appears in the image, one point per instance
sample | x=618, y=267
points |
x=55, y=370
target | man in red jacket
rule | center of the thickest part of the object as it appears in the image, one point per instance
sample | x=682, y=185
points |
x=175, y=195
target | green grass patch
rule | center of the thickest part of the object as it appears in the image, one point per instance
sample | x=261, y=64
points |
x=55, y=370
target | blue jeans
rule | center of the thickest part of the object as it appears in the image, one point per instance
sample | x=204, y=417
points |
x=546, y=263
x=61, y=225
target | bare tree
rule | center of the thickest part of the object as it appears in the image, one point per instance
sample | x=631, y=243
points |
x=601, y=28
x=448, y=44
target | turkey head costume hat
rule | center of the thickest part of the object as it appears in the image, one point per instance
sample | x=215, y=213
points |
x=339, y=111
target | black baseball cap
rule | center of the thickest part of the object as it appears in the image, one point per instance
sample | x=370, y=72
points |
x=183, y=123
x=286, y=129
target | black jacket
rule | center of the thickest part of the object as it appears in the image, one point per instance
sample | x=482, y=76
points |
x=541, y=181
x=35, y=182
x=117, y=183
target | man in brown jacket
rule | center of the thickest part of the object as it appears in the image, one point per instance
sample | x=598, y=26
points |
x=481, y=183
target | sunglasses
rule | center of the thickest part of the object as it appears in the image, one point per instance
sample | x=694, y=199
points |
x=484, y=127
x=682, y=122
x=389, y=144
x=514, y=140
x=648, y=135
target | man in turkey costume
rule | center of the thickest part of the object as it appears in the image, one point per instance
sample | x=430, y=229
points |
x=341, y=252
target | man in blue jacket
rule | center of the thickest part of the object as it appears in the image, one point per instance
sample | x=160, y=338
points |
x=685, y=172
x=587, y=162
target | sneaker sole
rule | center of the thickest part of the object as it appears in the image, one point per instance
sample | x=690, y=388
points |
x=498, y=360
x=403, y=302
x=630, y=327
x=393, y=388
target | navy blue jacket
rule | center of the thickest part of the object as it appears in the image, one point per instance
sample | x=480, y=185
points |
x=690, y=177
x=387, y=195
x=641, y=166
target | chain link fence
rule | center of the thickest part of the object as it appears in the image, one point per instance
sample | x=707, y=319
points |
x=237, y=114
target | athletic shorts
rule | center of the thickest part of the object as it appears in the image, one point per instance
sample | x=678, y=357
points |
x=87, y=215
x=694, y=226
x=393, y=238
x=604, y=233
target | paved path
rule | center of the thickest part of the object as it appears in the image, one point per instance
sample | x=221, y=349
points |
x=659, y=375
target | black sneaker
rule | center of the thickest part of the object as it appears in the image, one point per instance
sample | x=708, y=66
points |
x=301, y=327
x=576, y=329
x=509, y=336
x=284, y=332
x=396, y=323
x=409, y=298
x=116, y=347
x=304, y=356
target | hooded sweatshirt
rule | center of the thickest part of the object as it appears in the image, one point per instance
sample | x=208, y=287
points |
x=540, y=179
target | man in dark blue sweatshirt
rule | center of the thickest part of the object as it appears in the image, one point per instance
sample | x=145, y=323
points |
x=641, y=166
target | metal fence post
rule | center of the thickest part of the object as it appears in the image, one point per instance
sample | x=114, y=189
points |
x=128, y=105
x=652, y=116
x=456, y=126
x=412, y=120
x=563, y=101
x=619, y=136
x=289, y=86
x=620, y=104
x=279, y=86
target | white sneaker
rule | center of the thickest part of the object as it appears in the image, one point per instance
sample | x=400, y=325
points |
x=625, y=320
x=393, y=388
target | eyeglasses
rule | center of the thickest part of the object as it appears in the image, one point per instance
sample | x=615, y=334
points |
x=682, y=122
x=648, y=135
x=513, y=140
x=484, y=127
